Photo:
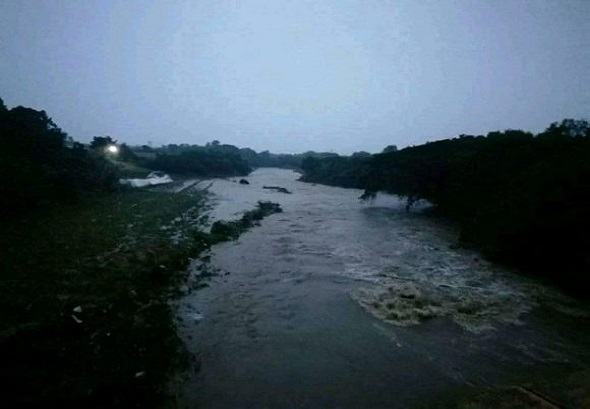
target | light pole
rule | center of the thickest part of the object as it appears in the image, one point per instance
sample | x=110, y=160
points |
x=112, y=149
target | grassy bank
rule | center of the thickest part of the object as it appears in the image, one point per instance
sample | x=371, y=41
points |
x=85, y=289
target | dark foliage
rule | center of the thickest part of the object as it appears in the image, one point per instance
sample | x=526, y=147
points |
x=266, y=159
x=126, y=154
x=99, y=143
x=522, y=199
x=351, y=172
x=253, y=159
x=200, y=161
x=41, y=166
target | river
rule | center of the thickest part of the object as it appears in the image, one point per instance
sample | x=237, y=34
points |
x=336, y=303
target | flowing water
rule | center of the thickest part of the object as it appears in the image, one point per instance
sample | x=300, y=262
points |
x=336, y=303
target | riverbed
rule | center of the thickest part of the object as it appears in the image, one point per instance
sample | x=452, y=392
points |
x=336, y=303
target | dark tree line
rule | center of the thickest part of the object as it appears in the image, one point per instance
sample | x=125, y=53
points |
x=237, y=156
x=523, y=199
x=200, y=161
x=41, y=166
x=335, y=170
x=266, y=159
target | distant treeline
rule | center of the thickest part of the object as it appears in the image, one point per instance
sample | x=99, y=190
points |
x=41, y=166
x=523, y=199
x=215, y=159
x=200, y=161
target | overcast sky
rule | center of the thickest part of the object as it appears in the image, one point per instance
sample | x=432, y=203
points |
x=292, y=76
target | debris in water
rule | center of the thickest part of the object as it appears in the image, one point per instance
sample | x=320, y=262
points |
x=277, y=189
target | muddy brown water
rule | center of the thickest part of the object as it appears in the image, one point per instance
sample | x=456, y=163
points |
x=336, y=303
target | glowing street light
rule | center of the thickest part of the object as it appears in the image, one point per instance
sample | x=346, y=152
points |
x=112, y=149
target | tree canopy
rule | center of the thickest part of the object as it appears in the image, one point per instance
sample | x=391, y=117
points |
x=41, y=166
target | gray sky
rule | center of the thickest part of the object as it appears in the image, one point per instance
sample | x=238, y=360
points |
x=291, y=76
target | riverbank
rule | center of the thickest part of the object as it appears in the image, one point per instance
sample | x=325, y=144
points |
x=85, y=298
x=85, y=291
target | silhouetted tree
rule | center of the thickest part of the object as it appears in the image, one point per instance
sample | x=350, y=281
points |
x=389, y=148
x=126, y=154
x=39, y=168
x=99, y=143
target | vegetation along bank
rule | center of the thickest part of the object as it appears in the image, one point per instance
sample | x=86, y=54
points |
x=88, y=269
x=521, y=198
